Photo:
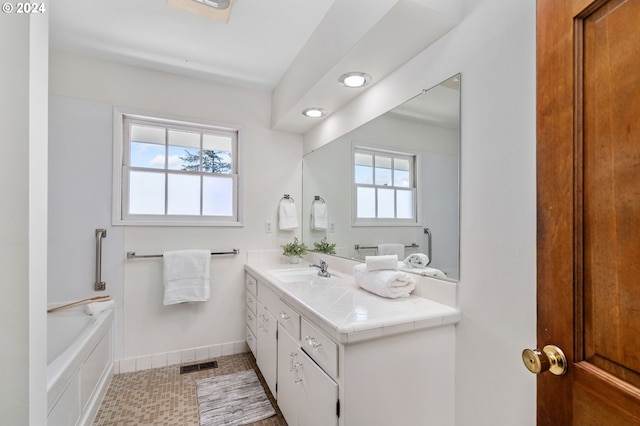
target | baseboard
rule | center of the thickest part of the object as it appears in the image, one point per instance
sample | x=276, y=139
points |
x=185, y=356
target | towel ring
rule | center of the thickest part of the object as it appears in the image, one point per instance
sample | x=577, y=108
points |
x=287, y=197
x=318, y=198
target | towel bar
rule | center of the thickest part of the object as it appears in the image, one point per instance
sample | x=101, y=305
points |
x=359, y=247
x=133, y=255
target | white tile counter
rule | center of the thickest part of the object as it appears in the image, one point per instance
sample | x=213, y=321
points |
x=348, y=313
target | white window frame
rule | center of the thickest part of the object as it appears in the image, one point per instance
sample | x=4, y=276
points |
x=121, y=167
x=414, y=176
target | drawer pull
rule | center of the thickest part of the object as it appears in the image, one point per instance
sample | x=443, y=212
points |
x=312, y=342
x=285, y=316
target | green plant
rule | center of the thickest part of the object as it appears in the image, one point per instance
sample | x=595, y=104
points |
x=295, y=248
x=325, y=247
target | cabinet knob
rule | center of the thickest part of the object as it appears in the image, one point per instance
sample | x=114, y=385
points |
x=312, y=342
x=285, y=316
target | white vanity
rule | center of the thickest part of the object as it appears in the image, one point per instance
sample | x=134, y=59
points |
x=334, y=354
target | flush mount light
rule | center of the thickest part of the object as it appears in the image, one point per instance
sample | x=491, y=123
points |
x=218, y=4
x=355, y=79
x=314, y=112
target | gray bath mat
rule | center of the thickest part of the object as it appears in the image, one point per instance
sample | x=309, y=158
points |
x=234, y=399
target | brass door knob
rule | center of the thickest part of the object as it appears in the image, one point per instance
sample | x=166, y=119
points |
x=551, y=358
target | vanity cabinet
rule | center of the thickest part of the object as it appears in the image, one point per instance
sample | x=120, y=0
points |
x=307, y=396
x=399, y=373
x=251, y=318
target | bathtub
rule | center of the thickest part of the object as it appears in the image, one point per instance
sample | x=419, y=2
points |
x=79, y=364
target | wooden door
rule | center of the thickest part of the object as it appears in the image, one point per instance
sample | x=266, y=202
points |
x=588, y=168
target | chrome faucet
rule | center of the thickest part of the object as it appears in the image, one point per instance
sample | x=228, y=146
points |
x=323, y=269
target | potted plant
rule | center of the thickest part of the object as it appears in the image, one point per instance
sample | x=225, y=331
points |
x=294, y=250
x=324, y=246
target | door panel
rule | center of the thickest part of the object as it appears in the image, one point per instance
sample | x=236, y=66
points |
x=588, y=156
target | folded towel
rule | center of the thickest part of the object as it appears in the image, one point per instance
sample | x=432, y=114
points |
x=432, y=272
x=186, y=276
x=375, y=263
x=319, y=216
x=287, y=214
x=417, y=260
x=397, y=249
x=385, y=283
x=96, y=308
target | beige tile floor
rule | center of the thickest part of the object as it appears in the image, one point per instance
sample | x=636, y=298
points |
x=163, y=396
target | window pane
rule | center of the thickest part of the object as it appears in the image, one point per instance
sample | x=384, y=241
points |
x=183, y=196
x=401, y=175
x=184, y=150
x=217, y=154
x=147, y=147
x=404, y=201
x=363, y=168
x=217, y=197
x=146, y=193
x=386, y=203
x=366, y=202
x=383, y=171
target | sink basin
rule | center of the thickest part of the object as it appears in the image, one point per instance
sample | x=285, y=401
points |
x=298, y=275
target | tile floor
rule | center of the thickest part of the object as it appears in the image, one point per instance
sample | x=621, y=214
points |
x=163, y=396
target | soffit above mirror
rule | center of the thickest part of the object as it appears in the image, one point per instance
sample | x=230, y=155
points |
x=402, y=31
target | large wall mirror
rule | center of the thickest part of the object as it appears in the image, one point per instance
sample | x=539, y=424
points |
x=392, y=181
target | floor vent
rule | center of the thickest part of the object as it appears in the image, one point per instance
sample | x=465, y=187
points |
x=198, y=367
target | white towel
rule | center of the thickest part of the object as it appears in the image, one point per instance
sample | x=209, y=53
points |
x=417, y=260
x=397, y=249
x=385, y=283
x=186, y=276
x=319, y=216
x=95, y=308
x=287, y=214
x=376, y=263
x=433, y=272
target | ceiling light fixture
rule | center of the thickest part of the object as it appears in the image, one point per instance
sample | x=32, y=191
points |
x=218, y=4
x=354, y=79
x=314, y=112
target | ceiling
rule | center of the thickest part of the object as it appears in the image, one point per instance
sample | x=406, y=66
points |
x=259, y=46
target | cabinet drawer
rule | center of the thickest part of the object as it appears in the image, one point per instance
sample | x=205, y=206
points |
x=319, y=347
x=289, y=319
x=252, y=285
x=268, y=298
x=251, y=302
x=251, y=320
x=251, y=341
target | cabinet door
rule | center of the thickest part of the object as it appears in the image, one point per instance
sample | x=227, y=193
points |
x=317, y=395
x=267, y=358
x=287, y=386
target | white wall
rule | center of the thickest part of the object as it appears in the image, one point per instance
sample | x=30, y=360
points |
x=494, y=49
x=80, y=202
x=272, y=167
x=23, y=213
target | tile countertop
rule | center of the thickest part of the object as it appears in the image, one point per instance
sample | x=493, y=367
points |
x=348, y=313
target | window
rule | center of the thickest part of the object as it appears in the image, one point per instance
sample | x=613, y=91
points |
x=178, y=173
x=384, y=187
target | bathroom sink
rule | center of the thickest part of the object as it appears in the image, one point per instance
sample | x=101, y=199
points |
x=298, y=275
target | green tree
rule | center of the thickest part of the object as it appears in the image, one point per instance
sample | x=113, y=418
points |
x=212, y=161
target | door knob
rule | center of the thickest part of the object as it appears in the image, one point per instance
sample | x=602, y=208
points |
x=551, y=358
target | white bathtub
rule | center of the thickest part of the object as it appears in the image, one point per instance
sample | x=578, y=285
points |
x=80, y=364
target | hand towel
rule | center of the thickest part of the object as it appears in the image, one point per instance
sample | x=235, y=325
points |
x=96, y=308
x=319, y=216
x=287, y=214
x=186, y=276
x=376, y=263
x=397, y=249
x=417, y=260
x=385, y=283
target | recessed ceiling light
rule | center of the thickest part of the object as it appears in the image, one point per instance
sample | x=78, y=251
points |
x=355, y=79
x=314, y=112
x=218, y=4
